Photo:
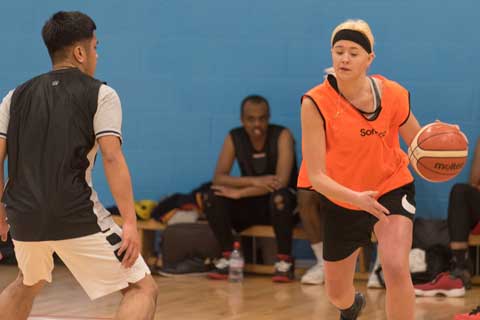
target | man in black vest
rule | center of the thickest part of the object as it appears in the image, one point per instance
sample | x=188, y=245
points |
x=265, y=192
x=54, y=125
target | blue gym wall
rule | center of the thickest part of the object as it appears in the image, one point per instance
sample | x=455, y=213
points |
x=181, y=68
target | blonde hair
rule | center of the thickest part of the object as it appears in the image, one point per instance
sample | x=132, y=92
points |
x=356, y=25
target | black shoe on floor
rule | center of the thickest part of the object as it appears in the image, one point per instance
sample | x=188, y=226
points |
x=191, y=266
x=354, y=311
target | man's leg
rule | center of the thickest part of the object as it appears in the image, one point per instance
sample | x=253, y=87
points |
x=282, y=205
x=463, y=215
x=35, y=262
x=139, y=300
x=16, y=300
x=309, y=207
x=223, y=214
x=281, y=208
x=218, y=211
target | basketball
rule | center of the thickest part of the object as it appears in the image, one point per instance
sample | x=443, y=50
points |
x=438, y=152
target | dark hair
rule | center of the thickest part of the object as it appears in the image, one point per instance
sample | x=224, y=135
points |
x=254, y=98
x=64, y=29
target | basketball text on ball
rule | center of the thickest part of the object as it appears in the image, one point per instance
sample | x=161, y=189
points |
x=448, y=166
x=438, y=152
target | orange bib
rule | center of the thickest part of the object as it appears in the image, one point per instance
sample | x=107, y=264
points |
x=362, y=154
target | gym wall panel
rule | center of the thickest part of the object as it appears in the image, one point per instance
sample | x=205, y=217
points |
x=181, y=68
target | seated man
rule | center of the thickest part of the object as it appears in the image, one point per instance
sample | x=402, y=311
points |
x=309, y=207
x=263, y=194
x=463, y=217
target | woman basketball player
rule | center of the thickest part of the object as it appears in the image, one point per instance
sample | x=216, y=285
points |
x=352, y=156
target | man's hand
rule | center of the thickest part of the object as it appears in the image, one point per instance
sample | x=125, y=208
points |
x=367, y=202
x=227, y=192
x=130, y=244
x=4, y=227
x=269, y=182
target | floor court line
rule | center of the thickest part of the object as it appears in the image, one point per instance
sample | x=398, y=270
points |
x=62, y=317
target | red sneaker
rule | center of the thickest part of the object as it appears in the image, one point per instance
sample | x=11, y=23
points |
x=284, y=269
x=444, y=284
x=473, y=315
x=221, y=267
x=476, y=229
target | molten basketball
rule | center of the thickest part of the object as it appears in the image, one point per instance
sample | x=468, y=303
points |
x=438, y=152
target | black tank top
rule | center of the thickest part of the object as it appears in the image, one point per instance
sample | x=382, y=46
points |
x=49, y=135
x=263, y=162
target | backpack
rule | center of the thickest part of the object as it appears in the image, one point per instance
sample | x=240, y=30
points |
x=432, y=236
x=188, y=248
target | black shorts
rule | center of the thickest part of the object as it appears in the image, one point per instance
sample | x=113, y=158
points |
x=346, y=230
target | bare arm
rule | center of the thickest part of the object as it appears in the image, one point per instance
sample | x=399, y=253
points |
x=475, y=171
x=118, y=177
x=286, y=154
x=409, y=129
x=3, y=215
x=249, y=185
x=314, y=148
x=224, y=166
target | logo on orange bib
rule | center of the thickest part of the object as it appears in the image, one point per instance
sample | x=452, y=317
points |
x=368, y=132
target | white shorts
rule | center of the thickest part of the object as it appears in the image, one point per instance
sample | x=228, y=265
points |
x=91, y=260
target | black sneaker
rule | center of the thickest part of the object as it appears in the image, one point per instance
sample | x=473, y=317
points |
x=284, y=269
x=465, y=275
x=356, y=308
x=191, y=266
x=220, y=272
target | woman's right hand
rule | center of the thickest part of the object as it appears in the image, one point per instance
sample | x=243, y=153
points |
x=366, y=201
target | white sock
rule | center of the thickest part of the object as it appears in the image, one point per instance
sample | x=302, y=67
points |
x=318, y=251
x=377, y=262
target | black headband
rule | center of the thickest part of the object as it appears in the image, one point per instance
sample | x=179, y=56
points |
x=355, y=36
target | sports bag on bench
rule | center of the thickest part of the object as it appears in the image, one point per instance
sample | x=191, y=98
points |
x=187, y=248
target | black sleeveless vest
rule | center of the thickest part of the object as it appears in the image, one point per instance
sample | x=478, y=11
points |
x=263, y=162
x=49, y=135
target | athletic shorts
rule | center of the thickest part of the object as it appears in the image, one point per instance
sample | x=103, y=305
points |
x=91, y=259
x=346, y=230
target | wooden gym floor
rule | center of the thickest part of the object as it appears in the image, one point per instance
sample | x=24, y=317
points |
x=197, y=298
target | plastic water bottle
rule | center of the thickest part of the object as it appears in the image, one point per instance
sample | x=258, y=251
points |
x=236, y=264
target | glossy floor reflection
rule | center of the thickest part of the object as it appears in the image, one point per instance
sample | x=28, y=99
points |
x=198, y=298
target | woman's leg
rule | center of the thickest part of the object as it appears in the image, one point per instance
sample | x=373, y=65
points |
x=339, y=282
x=394, y=244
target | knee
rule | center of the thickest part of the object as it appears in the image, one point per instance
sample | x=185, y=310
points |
x=304, y=208
x=28, y=290
x=150, y=287
x=393, y=270
x=282, y=201
x=147, y=286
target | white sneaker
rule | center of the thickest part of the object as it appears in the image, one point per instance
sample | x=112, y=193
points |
x=375, y=280
x=314, y=275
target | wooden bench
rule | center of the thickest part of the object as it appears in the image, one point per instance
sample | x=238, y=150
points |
x=474, y=241
x=146, y=232
x=260, y=231
x=147, y=229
